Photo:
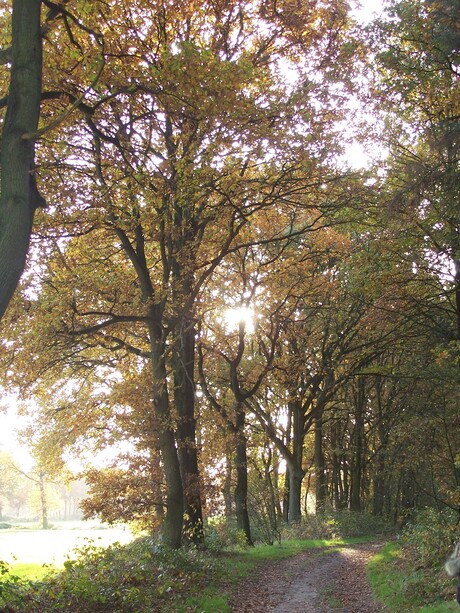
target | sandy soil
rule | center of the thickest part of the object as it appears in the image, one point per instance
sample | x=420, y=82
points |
x=316, y=581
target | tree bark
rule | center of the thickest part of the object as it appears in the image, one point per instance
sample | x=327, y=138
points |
x=321, y=487
x=295, y=494
x=358, y=449
x=43, y=501
x=184, y=396
x=296, y=472
x=173, y=521
x=19, y=196
x=286, y=496
x=379, y=481
x=241, y=488
x=457, y=295
x=227, y=486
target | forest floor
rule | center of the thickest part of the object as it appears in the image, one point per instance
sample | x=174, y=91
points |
x=315, y=581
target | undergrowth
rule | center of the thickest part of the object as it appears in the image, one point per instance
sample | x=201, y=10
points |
x=137, y=577
x=141, y=577
x=408, y=574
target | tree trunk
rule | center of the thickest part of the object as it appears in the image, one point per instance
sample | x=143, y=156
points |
x=19, y=196
x=457, y=294
x=358, y=449
x=287, y=476
x=184, y=395
x=295, y=494
x=155, y=462
x=241, y=466
x=320, y=472
x=227, y=488
x=286, y=496
x=296, y=472
x=276, y=488
x=173, y=521
x=379, y=485
x=378, y=499
x=43, y=501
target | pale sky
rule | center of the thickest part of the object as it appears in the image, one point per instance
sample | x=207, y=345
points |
x=367, y=9
x=9, y=424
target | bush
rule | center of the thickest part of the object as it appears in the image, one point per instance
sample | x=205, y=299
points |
x=140, y=577
x=427, y=541
x=343, y=524
x=222, y=533
x=262, y=514
x=430, y=537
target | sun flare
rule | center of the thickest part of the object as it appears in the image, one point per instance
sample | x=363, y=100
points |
x=234, y=316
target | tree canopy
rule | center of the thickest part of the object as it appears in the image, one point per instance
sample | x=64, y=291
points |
x=213, y=294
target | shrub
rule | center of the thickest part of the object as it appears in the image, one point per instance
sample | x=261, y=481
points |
x=222, y=533
x=343, y=524
x=262, y=514
x=140, y=577
x=430, y=536
x=427, y=540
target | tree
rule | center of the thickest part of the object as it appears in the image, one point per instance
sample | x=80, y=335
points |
x=9, y=483
x=417, y=75
x=189, y=132
x=19, y=196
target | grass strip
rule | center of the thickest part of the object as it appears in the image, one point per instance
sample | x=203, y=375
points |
x=390, y=582
x=33, y=572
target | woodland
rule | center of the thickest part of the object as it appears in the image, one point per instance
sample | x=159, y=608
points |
x=230, y=257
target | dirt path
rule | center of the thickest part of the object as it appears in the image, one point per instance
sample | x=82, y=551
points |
x=316, y=581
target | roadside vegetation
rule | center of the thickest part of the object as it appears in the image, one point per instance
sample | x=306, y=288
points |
x=145, y=576
x=406, y=575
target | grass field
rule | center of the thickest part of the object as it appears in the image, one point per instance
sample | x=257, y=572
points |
x=28, y=546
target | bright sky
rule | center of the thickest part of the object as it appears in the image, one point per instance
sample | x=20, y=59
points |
x=9, y=424
x=367, y=9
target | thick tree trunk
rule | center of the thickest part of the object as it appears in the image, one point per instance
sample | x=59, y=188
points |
x=174, y=516
x=241, y=466
x=19, y=196
x=184, y=395
x=295, y=494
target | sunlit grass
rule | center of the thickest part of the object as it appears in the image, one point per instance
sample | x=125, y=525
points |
x=33, y=572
